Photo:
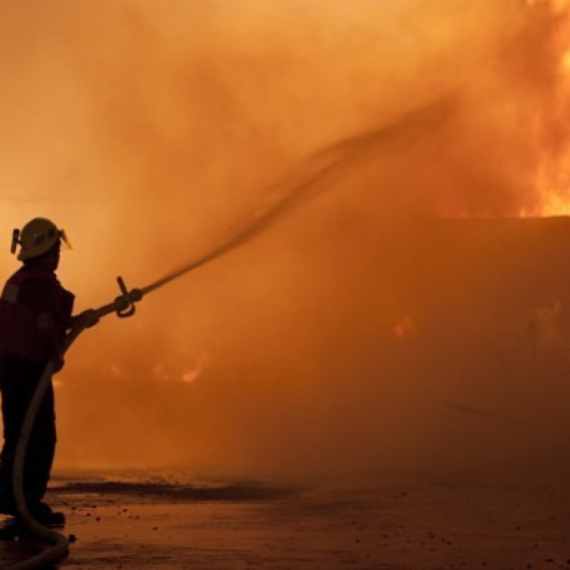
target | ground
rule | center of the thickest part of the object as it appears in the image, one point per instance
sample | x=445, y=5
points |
x=387, y=522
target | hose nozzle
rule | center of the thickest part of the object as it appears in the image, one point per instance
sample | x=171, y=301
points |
x=125, y=303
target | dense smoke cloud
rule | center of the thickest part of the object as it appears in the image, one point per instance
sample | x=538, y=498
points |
x=151, y=130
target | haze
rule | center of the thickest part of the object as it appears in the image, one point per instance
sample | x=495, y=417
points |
x=355, y=331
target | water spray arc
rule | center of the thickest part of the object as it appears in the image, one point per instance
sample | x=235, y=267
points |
x=324, y=169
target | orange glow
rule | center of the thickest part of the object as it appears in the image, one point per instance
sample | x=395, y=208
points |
x=565, y=65
x=557, y=6
x=552, y=180
x=190, y=375
x=148, y=130
x=404, y=329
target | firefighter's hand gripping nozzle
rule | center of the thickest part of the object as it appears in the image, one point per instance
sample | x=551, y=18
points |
x=123, y=305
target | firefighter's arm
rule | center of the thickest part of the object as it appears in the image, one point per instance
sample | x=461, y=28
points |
x=48, y=332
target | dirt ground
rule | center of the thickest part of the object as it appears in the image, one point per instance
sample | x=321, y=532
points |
x=458, y=521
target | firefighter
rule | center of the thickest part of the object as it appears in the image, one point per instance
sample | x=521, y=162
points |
x=35, y=314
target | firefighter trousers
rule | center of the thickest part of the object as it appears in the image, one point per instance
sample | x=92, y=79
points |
x=18, y=381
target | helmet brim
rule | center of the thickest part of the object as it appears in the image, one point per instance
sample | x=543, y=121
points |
x=24, y=255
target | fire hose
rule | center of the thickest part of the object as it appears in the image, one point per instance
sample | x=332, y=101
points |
x=330, y=164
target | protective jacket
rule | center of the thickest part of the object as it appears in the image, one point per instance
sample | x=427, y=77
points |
x=31, y=291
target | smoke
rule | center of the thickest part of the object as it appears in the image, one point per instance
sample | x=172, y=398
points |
x=331, y=164
x=156, y=132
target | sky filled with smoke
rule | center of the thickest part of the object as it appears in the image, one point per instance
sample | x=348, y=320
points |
x=153, y=130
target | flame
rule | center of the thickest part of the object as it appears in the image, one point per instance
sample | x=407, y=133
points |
x=556, y=6
x=117, y=370
x=191, y=374
x=404, y=328
x=565, y=64
x=164, y=373
x=553, y=176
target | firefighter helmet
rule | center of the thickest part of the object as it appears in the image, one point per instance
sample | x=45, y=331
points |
x=37, y=237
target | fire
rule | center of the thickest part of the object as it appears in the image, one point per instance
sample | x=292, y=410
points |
x=165, y=373
x=560, y=5
x=117, y=370
x=404, y=328
x=191, y=374
x=554, y=204
x=565, y=64
x=557, y=6
x=553, y=177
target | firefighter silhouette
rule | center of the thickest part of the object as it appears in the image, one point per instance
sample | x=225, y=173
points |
x=35, y=313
